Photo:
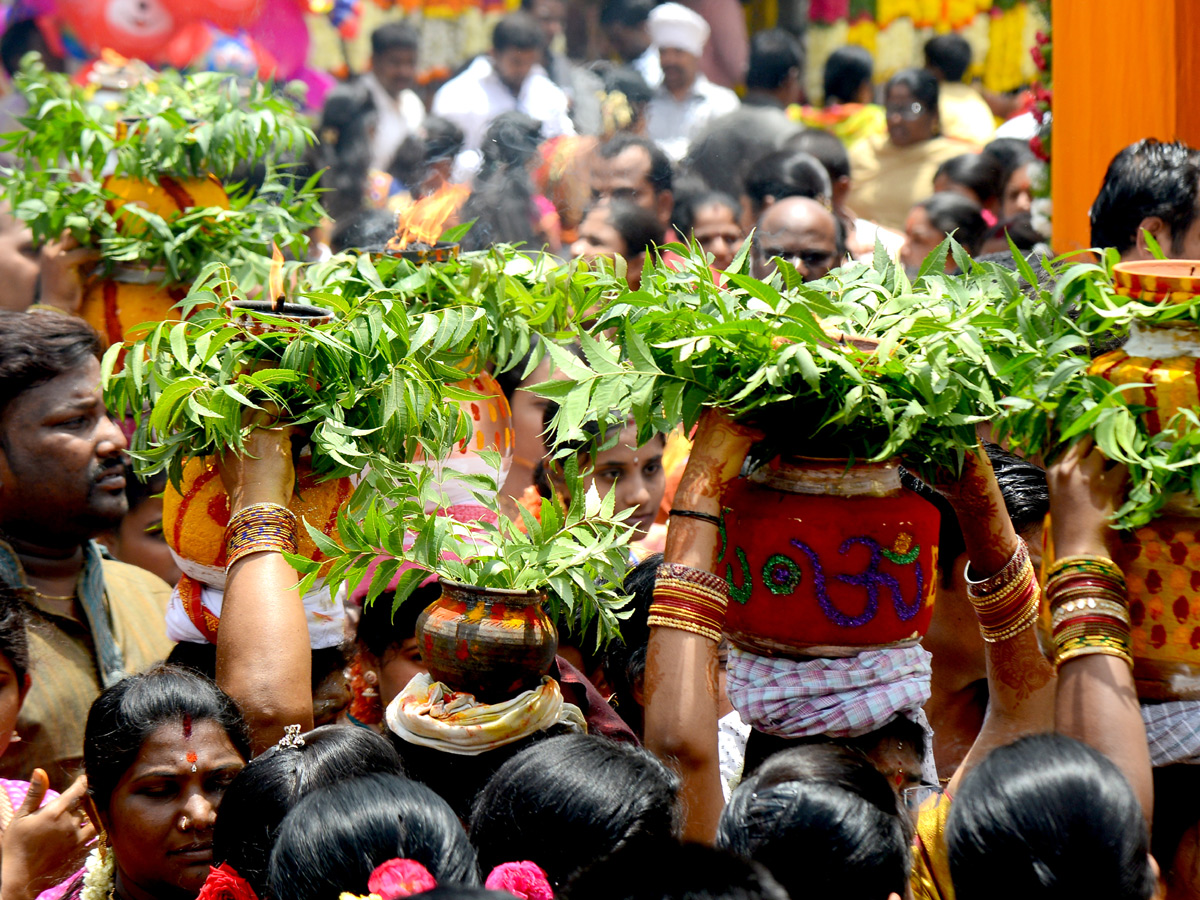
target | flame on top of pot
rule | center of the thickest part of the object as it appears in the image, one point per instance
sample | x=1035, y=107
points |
x=423, y=221
x=275, y=281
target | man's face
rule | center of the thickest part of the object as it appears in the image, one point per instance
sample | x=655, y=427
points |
x=628, y=41
x=396, y=69
x=62, y=470
x=678, y=68
x=800, y=231
x=627, y=177
x=552, y=16
x=513, y=66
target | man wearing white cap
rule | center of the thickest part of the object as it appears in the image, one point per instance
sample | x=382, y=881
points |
x=686, y=100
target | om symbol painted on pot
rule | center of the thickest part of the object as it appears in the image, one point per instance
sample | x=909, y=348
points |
x=809, y=572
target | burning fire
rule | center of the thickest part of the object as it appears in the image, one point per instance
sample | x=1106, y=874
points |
x=275, y=281
x=422, y=222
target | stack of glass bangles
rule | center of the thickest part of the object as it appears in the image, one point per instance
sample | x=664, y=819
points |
x=1089, y=611
x=257, y=528
x=1007, y=602
x=690, y=600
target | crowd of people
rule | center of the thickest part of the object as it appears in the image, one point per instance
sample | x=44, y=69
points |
x=139, y=768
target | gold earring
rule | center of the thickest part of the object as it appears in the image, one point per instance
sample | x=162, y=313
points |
x=102, y=844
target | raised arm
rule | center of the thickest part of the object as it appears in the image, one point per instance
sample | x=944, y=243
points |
x=681, y=662
x=1097, y=700
x=1020, y=678
x=264, y=660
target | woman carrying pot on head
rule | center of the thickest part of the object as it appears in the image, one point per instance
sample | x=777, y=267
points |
x=44, y=836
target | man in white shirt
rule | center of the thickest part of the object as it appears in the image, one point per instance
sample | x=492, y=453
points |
x=398, y=110
x=687, y=100
x=510, y=78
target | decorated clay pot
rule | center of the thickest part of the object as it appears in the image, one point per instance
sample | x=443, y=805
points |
x=488, y=642
x=134, y=295
x=195, y=516
x=1161, y=561
x=825, y=560
x=128, y=297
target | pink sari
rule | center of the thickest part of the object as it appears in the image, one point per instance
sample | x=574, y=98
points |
x=14, y=794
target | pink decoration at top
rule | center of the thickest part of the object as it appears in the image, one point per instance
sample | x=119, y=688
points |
x=400, y=878
x=521, y=879
x=828, y=11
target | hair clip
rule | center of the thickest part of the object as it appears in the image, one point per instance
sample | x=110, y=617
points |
x=291, y=737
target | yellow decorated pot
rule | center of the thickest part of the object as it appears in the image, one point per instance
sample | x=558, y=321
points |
x=195, y=517
x=133, y=295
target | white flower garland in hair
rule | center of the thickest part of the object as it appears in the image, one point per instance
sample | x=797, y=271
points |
x=98, y=874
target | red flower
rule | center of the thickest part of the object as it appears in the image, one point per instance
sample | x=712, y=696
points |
x=400, y=878
x=1038, y=59
x=1042, y=38
x=525, y=880
x=1038, y=148
x=224, y=883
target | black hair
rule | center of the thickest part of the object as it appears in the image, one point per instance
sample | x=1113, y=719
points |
x=38, y=346
x=629, y=13
x=126, y=714
x=1148, y=179
x=379, y=628
x=727, y=151
x=950, y=54
x=628, y=81
x=19, y=38
x=672, y=871
x=363, y=229
x=846, y=71
x=683, y=217
x=397, y=35
x=518, y=31
x=787, y=173
x=462, y=892
x=825, y=148
x=922, y=85
x=774, y=54
x=761, y=746
x=1024, y=486
x=1047, y=817
x=639, y=228
x=271, y=785
x=952, y=213
x=1020, y=228
x=344, y=150
x=624, y=661
x=824, y=821
x=334, y=838
x=443, y=139
x=568, y=801
x=139, y=490
x=501, y=203
x=1010, y=153
x=661, y=174
x=978, y=172
x=14, y=634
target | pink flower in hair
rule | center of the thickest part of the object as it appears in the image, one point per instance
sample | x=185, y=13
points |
x=400, y=878
x=521, y=879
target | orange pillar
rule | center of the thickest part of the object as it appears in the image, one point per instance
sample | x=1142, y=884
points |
x=1123, y=70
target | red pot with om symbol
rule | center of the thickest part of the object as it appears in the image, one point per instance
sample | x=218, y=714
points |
x=827, y=560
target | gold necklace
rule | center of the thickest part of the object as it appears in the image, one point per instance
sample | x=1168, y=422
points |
x=52, y=599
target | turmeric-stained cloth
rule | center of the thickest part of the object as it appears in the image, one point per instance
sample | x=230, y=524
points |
x=930, y=878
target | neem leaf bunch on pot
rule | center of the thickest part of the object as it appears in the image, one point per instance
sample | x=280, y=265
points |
x=355, y=378
x=187, y=170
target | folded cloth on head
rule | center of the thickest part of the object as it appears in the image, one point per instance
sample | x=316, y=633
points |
x=843, y=697
x=195, y=611
x=429, y=714
x=1173, y=732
